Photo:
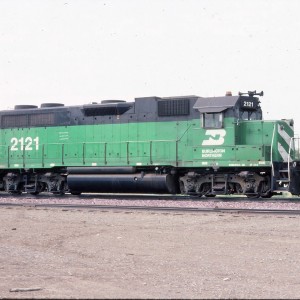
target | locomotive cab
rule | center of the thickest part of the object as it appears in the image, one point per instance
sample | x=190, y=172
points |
x=242, y=153
x=244, y=107
x=248, y=106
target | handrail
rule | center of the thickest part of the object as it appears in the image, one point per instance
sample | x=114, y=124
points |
x=293, y=146
x=184, y=133
x=289, y=156
x=8, y=161
x=272, y=144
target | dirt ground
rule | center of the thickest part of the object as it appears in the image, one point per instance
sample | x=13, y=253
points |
x=107, y=254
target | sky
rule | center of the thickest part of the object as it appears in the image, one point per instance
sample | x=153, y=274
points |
x=82, y=51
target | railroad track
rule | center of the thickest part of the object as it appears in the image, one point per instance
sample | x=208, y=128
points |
x=165, y=197
x=153, y=208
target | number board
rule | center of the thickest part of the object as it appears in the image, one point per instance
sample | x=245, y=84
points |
x=248, y=103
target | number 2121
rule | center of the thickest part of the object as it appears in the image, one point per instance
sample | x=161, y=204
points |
x=27, y=143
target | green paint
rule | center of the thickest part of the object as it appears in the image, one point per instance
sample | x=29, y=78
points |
x=183, y=144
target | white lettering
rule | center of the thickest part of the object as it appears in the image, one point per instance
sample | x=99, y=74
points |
x=212, y=153
x=248, y=104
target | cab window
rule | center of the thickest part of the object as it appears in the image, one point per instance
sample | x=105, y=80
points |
x=249, y=115
x=212, y=120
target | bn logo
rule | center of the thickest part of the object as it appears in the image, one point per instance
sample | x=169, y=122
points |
x=216, y=137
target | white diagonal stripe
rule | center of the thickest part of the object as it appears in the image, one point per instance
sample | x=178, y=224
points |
x=285, y=136
x=284, y=154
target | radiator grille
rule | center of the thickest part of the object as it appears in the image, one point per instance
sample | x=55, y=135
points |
x=174, y=107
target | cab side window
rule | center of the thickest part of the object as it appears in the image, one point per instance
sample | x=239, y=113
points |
x=212, y=120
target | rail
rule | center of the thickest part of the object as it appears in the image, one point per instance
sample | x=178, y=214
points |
x=169, y=209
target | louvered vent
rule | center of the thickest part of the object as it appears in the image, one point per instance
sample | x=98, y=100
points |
x=17, y=121
x=180, y=107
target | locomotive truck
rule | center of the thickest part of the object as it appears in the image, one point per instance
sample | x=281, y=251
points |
x=175, y=145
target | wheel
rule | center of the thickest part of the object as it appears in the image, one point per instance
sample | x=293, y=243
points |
x=267, y=195
x=39, y=188
x=253, y=196
x=76, y=193
x=265, y=190
x=58, y=193
x=210, y=195
x=34, y=193
x=15, y=193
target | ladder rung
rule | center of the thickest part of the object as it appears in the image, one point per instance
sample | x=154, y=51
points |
x=283, y=180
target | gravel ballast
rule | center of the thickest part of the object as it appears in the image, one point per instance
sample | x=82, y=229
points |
x=155, y=201
x=60, y=253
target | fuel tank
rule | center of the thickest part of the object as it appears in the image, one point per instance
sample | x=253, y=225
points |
x=122, y=183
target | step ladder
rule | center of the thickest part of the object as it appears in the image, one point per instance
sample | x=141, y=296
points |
x=282, y=181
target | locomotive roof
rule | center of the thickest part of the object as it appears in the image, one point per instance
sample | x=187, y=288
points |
x=215, y=104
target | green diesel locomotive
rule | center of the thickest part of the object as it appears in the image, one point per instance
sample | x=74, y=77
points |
x=189, y=145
